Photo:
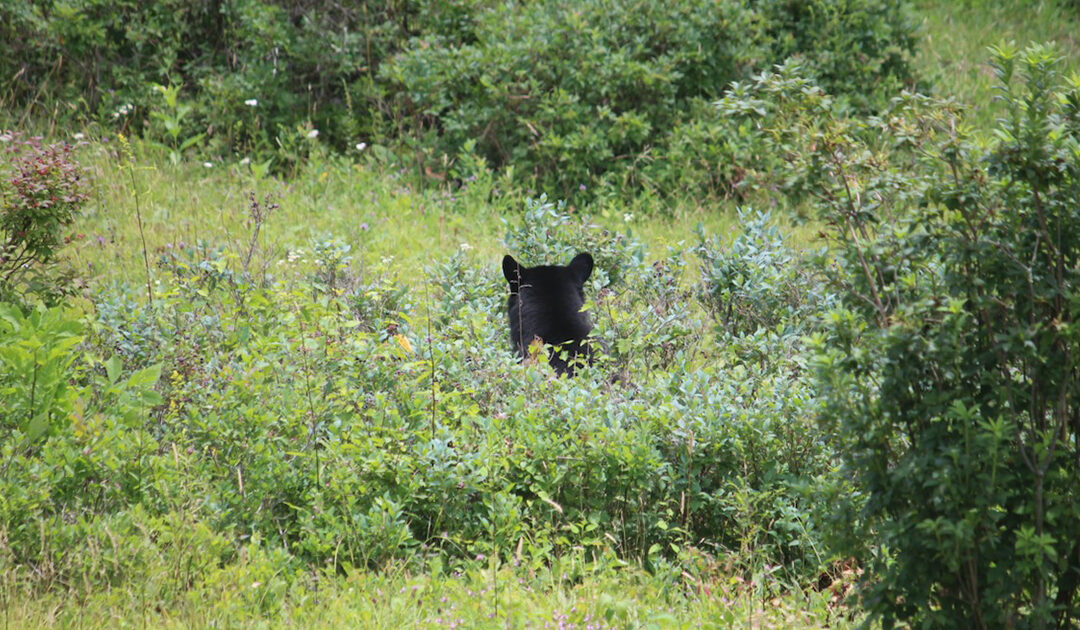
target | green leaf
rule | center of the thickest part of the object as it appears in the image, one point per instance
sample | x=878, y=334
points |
x=38, y=425
x=112, y=369
x=146, y=377
x=152, y=398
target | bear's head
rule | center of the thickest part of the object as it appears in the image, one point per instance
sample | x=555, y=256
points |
x=545, y=303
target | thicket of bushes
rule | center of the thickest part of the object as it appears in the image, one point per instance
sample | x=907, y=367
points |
x=309, y=415
x=948, y=371
x=563, y=95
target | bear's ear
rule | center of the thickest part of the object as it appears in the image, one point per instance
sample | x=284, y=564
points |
x=581, y=266
x=512, y=271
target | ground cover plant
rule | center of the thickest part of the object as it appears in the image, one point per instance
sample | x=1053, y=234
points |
x=261, y=376
x=312, y=411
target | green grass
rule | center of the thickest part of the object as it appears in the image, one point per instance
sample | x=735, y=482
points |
x=477, y=598
x=379, y=212
x=956, y=36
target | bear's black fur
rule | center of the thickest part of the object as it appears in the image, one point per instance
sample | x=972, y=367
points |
x=545, y=302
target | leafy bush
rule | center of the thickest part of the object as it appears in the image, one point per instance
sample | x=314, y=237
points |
x=250, y=70
x=42, y=192
x=557, y=96
x=565, y=93
x=125, y=328
x=549, y=234
x=702, y=156
x=75, y=442
x=855, y=49
x=36, y=355
x=758, y=281
x=948, y=370
x=764, y=297
x=335, y=428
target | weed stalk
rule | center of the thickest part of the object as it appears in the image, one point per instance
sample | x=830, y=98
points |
x=129, y=166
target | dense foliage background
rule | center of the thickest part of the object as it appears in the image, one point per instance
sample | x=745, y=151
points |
x=253, y=354
x=560, y=94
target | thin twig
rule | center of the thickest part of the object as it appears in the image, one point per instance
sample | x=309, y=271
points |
x=142, y=235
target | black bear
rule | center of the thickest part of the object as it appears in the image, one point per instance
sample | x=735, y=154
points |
x=545, y=302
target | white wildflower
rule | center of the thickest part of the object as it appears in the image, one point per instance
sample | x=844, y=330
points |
x=124, y=110
x=208, y=165
x=314, y=133
x=360, y=146
x=252, y=102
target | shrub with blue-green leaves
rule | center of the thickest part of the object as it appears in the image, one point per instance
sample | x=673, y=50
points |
x=764, y=296
x=328, y=422
x=947, y=372
x=548, y=232
x=759, y=281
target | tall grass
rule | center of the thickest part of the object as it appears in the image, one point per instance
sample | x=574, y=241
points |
x=953, y=54
x=382, y=211
x=397, y=599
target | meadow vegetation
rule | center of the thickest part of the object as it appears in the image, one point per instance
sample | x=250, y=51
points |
x=256, y=371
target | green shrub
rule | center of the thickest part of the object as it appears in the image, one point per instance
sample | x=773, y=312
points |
x=857, y=50
x=76, y=449
x=702, y=156
x=947, y=372
x=549, y=234
x=758, y=281
x=251, y=70
x=563, y=94
x=562, y=97
x=125, y=328
x=36, y=356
